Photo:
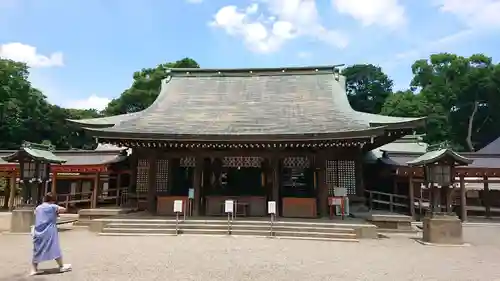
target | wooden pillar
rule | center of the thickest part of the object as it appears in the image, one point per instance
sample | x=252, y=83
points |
x=443, y=198
x=132, y=188
x=275, y=163
x=118, y=188
x=359, y=174
x=151, y=195
x=411, y=196
x=486, y=198
x=198, y=170
x=463, y=199
x=53, y=188
x=322, y=188
x=395, y=185
x=12, y=196
x=95, y=191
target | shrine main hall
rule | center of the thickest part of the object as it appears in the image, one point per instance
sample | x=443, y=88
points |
x=252, y=135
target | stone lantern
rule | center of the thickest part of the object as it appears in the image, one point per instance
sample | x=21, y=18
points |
x=34, y=164
x=440, y=225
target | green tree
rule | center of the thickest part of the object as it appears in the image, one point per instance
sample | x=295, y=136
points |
x=25, y=113
x=145, y=88
x=404, y=103
x=461, y=95
x=367, y=87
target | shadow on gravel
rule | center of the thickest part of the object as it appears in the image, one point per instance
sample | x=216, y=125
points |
x=38, y=277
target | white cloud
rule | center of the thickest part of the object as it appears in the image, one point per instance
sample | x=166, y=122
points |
x=92, y=102
x=442, y=44
x=474, y=13
x=387, y=13
x=28, y=54
x=304, y=55
x=266, y=25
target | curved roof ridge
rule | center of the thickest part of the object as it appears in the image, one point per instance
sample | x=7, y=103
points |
x=256, y=70
x=308, y=101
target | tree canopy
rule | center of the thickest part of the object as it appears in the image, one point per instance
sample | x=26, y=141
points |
x=460, y=96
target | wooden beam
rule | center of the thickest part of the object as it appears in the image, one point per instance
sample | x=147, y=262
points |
x=275, y=164
x=12, y=196
x=118, y=189
x=411, y=197
x=197, y=185
x=322, y=187
x=151, y=195
x=463, y=200
x=95, y=192
x=486, y=198
x=53, y=188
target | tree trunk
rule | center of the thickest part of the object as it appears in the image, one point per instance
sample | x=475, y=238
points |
x=469, y=128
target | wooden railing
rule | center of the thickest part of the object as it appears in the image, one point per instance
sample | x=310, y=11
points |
x=118, y=195
x=17, y=201
x=73, y=198
x=394, y=201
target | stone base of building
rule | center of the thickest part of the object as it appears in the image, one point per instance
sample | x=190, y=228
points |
x=22, y=219
x=440, y=228
x=392, y=222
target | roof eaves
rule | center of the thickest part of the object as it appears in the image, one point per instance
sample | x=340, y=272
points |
x=110, y=133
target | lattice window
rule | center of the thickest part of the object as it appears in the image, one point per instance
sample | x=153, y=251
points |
x=347, y=175
x=332, y=179
x=296, y=162
x=242, y=161
x=161, y=175
x=142, y=176
x=341, y=173
x=187, y=162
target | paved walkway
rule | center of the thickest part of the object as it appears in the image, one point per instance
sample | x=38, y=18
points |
x=207, y=258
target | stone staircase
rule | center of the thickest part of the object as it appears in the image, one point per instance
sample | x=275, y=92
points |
x=281, y=229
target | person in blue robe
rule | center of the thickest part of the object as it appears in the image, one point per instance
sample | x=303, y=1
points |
x=45, y=235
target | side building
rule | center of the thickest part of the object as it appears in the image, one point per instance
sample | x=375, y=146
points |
x=76, y=180
x=283, y=134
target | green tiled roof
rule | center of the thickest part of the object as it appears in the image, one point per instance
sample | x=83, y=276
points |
x=409, y=144
x=436, y=155
x=249, y=103
x=79, y=157
x=37, y=152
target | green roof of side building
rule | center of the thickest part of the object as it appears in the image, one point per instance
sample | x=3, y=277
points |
x=437, y=155
x=249, y=104
x=406, y=144
x=37, y=152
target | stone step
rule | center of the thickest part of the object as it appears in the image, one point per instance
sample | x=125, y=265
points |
x=316, y=239
x=142, y=225
x=204, y=231
x=224, y=227
x=315, y=235
x=135, y=230
x=170, y=230
x=133, y=234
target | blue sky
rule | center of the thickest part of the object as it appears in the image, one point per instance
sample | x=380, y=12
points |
x=84, y=53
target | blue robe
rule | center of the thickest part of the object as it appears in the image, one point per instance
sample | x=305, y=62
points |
x=45, y=235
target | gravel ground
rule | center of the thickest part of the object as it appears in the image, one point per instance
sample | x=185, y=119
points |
x=246, y=258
